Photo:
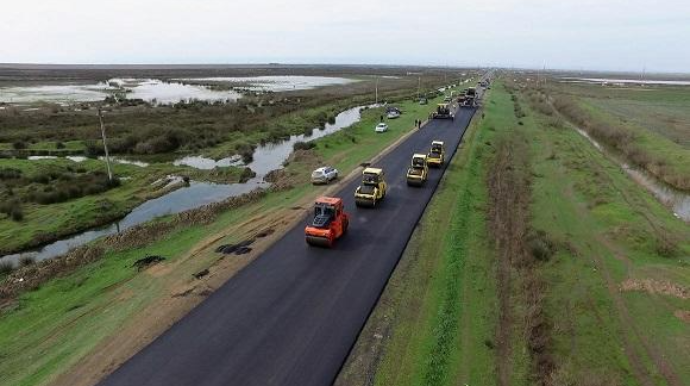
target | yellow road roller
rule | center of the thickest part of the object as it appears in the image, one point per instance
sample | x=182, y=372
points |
x=437, y=154
x=418, y=170
x=372, y=189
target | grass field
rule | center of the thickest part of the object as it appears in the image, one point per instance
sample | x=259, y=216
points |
x=655, y=122
x=44, y=333
x=47, y=222
x=585, y=281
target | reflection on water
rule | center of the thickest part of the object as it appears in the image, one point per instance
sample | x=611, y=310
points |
x=154, y=90
x=203, y=163
x=278, y=83
x=678, y=201
x=266, y=158
x=64, y=94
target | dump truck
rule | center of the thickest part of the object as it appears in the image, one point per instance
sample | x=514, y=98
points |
x=418, y=171
x=442, y=112
x=437, y=154
x=329, y=223
x=372, y=189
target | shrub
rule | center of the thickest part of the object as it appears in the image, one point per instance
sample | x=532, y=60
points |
x=13, y=209
x=303, y=146
x=19, y=145
x=17, y=214
x=541, y=247
x=10, y=173
x=6, y=268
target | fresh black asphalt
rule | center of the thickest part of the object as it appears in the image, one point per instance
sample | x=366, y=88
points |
x=292, y=316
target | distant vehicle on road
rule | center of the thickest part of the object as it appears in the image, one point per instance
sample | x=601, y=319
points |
x=442, y=112
x=324, y=175
x=423, y=101
x=330, y=222
x=381, y=128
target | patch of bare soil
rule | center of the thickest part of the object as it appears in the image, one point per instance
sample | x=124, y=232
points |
x=655, y=287
x=683, y=315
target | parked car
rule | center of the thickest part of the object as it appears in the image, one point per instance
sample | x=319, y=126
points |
x=324, y=175
x=381, y=128
x=393, y=114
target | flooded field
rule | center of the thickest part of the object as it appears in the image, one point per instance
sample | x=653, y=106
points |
x=161, y=92
x=266, y=158
x=64, y=95
x=278, y=83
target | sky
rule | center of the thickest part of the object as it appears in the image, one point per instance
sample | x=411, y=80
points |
x=617, y=35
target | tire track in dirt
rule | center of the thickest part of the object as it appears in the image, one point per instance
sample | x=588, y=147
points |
x=623, y=313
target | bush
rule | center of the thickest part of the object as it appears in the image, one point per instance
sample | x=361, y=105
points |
x=13, y=209
x=303, y=146
x=10, y=174
x=17, y=214
x=26, y=261
x=19, y=145
x=6, y=268
x=246, y=175
x=541, y=247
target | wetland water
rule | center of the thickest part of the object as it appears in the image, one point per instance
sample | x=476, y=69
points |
x=157, y=91
x=266, y=158
x=674, y=199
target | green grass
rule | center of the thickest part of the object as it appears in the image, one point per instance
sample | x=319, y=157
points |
x=659, y=119
x=440, y=307
x=50, y=329
x=605, y=226
x=48, y=222
x=445, y=290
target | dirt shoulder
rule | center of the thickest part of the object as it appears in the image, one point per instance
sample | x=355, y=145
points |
x=182, y=292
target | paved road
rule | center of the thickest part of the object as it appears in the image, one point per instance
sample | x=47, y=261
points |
x=292, y=316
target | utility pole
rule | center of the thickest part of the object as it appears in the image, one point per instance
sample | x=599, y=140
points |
x=105, y=145
x=419, y=88
x=377, y=90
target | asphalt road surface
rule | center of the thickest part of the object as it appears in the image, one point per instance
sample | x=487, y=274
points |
x=292, y=316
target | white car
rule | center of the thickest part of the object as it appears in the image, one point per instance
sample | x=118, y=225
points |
x=324, y=175
x=381, y=128
x=393, y=114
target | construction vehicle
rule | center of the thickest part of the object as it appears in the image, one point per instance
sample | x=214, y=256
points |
x=373, y=188
x=442, y=112
x=330, y=222
x=437, y=154
x=470, y=97
x=418, y=170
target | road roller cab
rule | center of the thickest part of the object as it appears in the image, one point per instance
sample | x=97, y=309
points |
x=372, y=189
x=418, y=170
x=329, y=223
x=437, y=154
